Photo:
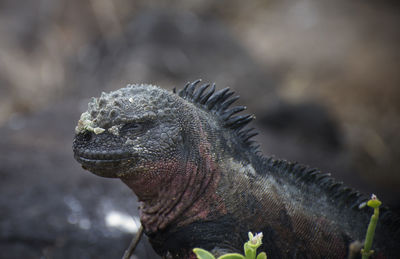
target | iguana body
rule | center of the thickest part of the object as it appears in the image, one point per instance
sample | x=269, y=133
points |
x=202, y=183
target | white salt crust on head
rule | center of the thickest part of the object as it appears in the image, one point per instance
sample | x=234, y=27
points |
x=133, y=102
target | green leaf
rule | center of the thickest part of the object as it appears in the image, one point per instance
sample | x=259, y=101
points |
x=231, y=256
x=203, y=254
x=262, y=255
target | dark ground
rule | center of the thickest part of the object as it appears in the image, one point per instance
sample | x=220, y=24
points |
x=322, y=79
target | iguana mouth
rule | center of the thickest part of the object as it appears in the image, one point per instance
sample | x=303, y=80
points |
x=103, y=156
x=105, y=165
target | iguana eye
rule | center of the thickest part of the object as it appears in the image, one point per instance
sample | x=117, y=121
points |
x=132, y=126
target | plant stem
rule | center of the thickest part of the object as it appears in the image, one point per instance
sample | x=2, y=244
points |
x=366, y=252
x=135, y=241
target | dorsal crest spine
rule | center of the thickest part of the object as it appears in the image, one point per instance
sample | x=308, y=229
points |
x=219, y=102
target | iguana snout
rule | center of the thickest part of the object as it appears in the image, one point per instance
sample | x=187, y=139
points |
x=101, y=154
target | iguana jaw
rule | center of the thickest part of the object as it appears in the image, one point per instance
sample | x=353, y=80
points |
x=110, y=168
x=105, y=160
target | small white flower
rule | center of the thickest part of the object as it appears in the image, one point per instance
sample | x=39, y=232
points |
x=255, y=239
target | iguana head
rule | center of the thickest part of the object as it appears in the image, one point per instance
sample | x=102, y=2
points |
x=124, y=130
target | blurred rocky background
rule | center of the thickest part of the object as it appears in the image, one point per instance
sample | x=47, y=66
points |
x=322, y=77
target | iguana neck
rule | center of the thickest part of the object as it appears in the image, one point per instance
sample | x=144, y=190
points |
x=183, y=195
x=180, y=191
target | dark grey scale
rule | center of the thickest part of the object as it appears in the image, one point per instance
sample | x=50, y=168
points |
x=113, y=113
x=92, y=105
x=118, y=103
x=93, y=113
x=153, y=94
x=103, y=113
x=114, y=94
x=102, y=102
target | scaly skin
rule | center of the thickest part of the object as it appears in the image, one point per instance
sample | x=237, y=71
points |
x=202, y=183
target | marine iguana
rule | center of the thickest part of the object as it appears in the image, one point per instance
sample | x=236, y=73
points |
x=202, y=182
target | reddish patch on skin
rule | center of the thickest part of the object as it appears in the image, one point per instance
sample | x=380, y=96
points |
x=208, y=201
x=177, y=192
